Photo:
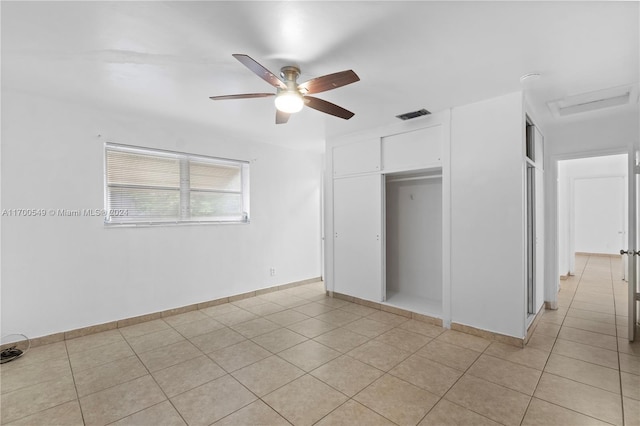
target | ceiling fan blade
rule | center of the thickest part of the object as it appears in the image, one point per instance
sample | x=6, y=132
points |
x=282, y=117
x=242, y=96
x=327, y=107
x=328, y=82
x=260, y=71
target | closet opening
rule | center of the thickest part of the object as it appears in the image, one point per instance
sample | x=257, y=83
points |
x=413, y=239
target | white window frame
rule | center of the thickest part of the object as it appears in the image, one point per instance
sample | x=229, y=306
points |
x=118, y=217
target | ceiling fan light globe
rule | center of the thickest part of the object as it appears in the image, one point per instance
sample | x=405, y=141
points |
x=289, y=102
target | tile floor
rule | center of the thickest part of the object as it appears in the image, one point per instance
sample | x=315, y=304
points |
x=298, y=357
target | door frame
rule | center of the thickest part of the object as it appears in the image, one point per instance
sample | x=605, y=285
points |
x=633, y=241
x=552, y=281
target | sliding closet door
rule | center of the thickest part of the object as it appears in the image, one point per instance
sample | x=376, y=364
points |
x=357, y=209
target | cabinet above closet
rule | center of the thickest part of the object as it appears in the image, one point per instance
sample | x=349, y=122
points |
x=356, y=157
x=415, y=149
x=418, y=149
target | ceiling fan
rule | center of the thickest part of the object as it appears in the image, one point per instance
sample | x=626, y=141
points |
x=291, y=96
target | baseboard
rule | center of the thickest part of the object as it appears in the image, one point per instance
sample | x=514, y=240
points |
x=536, y=320
x=390, y=309
x=85, y=331
x=581, y=253
x=489, y=335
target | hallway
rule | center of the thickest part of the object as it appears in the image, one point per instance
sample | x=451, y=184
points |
x=592, y=368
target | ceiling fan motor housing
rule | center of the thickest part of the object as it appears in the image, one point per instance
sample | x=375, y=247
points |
x=289, y=99
x=290, y=75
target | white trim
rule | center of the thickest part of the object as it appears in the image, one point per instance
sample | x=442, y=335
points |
x=552, y=282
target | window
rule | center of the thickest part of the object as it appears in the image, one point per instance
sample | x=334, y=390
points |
x=530, y=146
x=144, y=186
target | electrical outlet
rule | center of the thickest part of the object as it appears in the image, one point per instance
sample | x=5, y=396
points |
x=272, y=271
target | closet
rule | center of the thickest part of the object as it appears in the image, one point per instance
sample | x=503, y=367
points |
x=387, y=217
x=413, y=240
x=442, y=216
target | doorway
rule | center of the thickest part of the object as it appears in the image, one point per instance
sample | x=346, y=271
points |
x=592, y=208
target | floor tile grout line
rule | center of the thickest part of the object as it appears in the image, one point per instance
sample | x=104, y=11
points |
x=92, y=347
x=460, y=378
x=74, y=373
x=589, y=345
x=581, y=383
x=156, y=383
x=261, y=398
x=615, y=310
x=351, y=399
x=586, y=319
x=387, y=373
x=150, y=374
x=618, y=352
x=258, y=398
x=103, y=364
x=309, y=373
x=129, y=380
x=272, y=353
x=508, y=361
x=572, y=410
x=141, y=410
x=77, y=399
x=75, y=386
x=466, y=408
x=586, y=362
x=196, y=387
x=555, y=339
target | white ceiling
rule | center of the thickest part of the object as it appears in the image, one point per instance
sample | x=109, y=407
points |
x=167, y=58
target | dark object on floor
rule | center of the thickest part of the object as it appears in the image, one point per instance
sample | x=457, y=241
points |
x=13, y=346
x=10, y=354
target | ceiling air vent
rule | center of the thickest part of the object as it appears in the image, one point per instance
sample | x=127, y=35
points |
x=413, y=114
x=593, y=101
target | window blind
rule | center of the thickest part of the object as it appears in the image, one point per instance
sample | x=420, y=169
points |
x=148, y=186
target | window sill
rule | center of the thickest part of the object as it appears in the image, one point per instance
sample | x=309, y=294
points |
x=172, y=223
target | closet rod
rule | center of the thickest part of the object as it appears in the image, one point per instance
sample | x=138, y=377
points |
x=414, y=178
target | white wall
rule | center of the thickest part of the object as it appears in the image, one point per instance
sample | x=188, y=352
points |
x=599, y=206
x=612, y=132
x=591, y=206
x=63, y=273
x=487, y=215
x=562, y=221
